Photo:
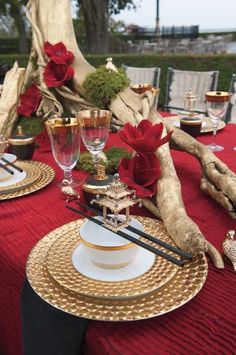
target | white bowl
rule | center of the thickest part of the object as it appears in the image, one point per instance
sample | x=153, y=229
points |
x=105, y=248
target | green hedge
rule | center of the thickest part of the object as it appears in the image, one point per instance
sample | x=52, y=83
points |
x=225, y=63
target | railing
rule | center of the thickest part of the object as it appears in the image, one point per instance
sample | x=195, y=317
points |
x=180, y=32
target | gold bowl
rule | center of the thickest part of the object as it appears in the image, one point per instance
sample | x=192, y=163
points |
x=141, y=88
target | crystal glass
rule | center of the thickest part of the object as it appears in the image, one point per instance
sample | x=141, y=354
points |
x=94, y=128
x=216, y=105
x=64, y=134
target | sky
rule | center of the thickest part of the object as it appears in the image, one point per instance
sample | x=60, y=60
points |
x=208, y=14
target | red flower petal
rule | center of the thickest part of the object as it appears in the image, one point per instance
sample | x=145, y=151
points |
x=144, y=125
x=58, y=53
x=145, y=138
x=57, y=74
x=140, y=173
x=29, y=101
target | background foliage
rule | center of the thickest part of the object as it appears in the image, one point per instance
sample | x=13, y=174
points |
x=225, y=63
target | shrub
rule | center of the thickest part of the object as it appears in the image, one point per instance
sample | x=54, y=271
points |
x=225, y=63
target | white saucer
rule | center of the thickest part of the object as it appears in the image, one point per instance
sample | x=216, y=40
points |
x=141, y=264
x=177, y=123
x=15, y=178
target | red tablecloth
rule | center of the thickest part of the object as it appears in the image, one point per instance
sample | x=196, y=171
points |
x=206, y=325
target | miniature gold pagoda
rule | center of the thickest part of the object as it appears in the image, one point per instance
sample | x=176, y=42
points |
x=190, y=102
x=117, y=197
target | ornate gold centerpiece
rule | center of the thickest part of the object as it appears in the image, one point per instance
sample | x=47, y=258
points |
x=190, y=102
x=116, y=198
x=190, y=123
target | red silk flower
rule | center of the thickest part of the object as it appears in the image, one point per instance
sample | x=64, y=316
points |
x=58, y=53
x=145, y=138
x=141, y=173
x=29, y=101
x=57, y=74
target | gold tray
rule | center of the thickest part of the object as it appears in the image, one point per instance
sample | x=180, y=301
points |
x=205, y=129
x=60, y=267
x=38, y=176
x=181, y=288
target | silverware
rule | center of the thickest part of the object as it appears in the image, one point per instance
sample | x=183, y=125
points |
x=11, y=164
x=139, y=242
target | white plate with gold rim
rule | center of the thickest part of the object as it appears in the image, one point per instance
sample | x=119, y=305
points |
x=10, y=157
x=60, y=266
x=141, y=264
x=4, y=175
x=6, y=179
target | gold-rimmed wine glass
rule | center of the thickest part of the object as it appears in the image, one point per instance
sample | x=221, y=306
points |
x=94, y=128
x=64, y=135
x=216, y=105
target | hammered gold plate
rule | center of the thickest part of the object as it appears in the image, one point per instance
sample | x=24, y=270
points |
x=181, y=288
x=208, y=128
x=38, y=176
x=60, y=267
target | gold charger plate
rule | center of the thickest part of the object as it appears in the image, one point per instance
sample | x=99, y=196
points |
x=181, y=288
x=31, y=176
x=59, y=265
x=205, y=129
x=38, y=176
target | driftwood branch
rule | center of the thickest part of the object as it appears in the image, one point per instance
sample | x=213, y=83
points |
x=9, y=99
x=217, y=179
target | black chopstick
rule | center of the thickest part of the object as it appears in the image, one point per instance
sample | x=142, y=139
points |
x=146, y=235
x=12, y=164
x=9, y=171
x=131, y=239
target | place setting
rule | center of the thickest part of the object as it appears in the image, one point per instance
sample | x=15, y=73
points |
x=21, y=177
x=108, y=264
x=87, y=269
x=195, y=123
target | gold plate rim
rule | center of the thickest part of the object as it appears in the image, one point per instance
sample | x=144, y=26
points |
x=186, y=284
x=45, y=175
x=207, y=129
x=60, y=267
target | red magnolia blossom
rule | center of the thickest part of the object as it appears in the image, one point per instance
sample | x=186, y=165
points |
x=57, y=74
x=141, y=173
x=58, y=53
x=29, y=101
x=145, y=138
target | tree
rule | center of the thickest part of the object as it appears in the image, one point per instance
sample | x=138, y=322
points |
x=96, y=18
x=15, y=10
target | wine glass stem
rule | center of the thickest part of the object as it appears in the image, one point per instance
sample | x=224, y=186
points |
x=95, y=159
x=215, y=127
x=68, y=175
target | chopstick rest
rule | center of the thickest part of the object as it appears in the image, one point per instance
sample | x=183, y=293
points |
x=12, y=164
x=131, y=239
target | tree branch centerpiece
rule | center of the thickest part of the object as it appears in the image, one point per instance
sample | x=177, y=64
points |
x=58, y=76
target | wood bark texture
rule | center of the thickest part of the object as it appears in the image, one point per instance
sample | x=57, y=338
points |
x=9, y=99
